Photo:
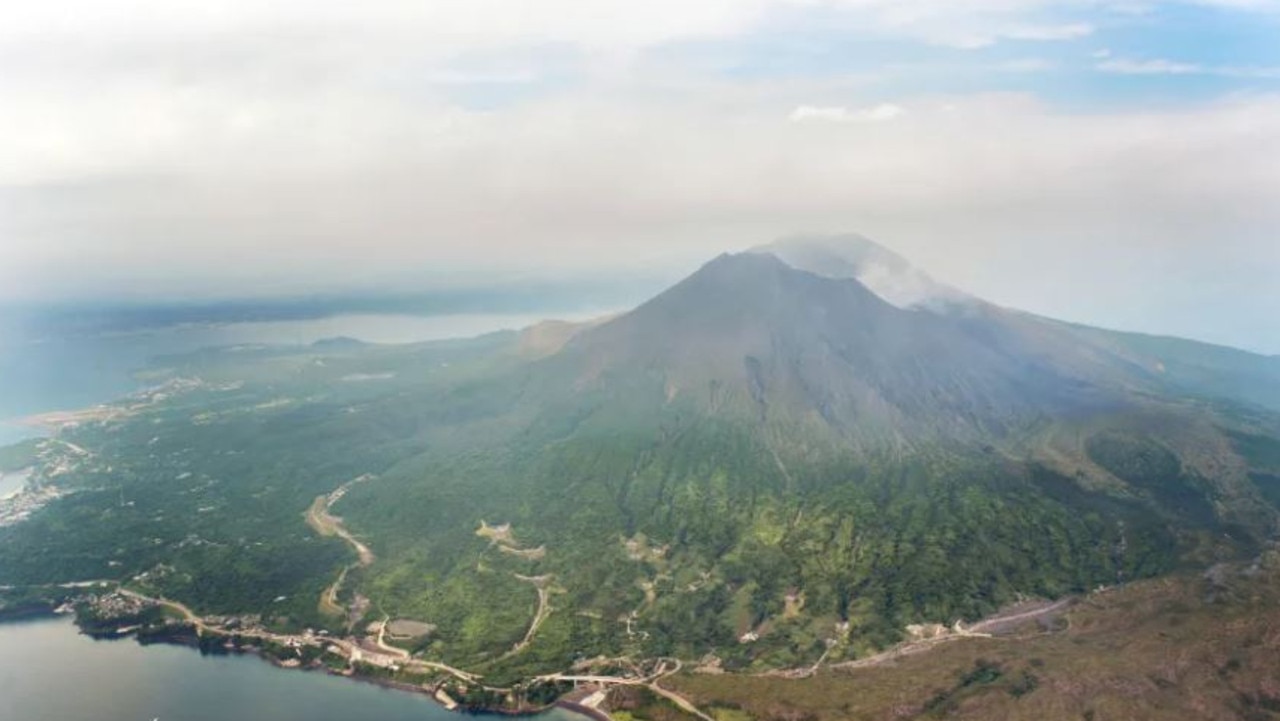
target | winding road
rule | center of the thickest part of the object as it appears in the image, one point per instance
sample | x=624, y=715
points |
x=326, y=524
x=544, y=609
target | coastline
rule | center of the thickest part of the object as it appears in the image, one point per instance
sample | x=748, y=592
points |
x=218, y=644
x=9, y=615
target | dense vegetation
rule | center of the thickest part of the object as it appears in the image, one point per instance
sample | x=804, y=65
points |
x=695, y=534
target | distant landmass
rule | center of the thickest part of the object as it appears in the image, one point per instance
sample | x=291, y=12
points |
x=792, y=461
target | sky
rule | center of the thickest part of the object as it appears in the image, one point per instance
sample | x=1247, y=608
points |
x=1114, y=162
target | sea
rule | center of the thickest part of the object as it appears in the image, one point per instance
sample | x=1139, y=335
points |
x=50, y=672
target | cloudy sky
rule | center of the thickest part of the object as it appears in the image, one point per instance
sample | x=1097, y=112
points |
x=1108, y=161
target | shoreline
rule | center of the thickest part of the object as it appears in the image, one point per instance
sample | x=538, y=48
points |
x=188, y=636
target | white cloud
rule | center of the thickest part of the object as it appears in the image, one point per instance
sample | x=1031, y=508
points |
x=453, y=23
x=319, y=184
x=875, y=114
x=1126, y=66
x=972, y=32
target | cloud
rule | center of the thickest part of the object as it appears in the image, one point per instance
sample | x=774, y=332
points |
x=875, y=114
x=1125, y=66
x=183, y=147
x=1069, y=31
x=973, y=32
x=449, y=23
x=1149, y=67
x=319, y=185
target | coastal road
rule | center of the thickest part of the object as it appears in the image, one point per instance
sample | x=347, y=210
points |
x=650, y=682
x=188, y=615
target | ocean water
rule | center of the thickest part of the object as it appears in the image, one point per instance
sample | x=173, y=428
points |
x=47, y=371
x=49, y=672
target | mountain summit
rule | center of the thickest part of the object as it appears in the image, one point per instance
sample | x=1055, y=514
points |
x=831, y=325
x=752, y=334
x=884, y=272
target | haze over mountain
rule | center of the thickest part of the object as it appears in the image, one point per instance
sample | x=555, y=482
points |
x=882, y=271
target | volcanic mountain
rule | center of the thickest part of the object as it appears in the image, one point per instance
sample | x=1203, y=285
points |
x=841, y=338
x=931, y=451
x=794, y=452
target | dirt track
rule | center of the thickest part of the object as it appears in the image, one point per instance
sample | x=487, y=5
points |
x=327, y=524
x=544, y=609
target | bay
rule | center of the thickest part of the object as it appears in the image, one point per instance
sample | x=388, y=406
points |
x=49, y=671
